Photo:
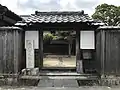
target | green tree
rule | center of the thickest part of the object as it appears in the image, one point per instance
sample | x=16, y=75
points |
x=108, y=14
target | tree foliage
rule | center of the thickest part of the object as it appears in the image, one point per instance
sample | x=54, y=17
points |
x=108, y=14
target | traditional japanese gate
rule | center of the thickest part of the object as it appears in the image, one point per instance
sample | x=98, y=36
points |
x=35, y=24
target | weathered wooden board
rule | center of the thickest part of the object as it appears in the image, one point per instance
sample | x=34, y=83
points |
x=108, y=51
x=79, y=66
x=11, y=50
x=112, y=55
x=1, y=52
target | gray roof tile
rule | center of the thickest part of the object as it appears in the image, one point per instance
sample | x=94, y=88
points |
x=57, y=17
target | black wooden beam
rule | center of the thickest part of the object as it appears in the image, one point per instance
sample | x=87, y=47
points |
x=23, y=51
x=79, y=66
x=59, y=26
x=69, y=49
x=41, y=48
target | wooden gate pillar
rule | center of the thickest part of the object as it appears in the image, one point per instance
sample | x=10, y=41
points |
x=79, y=65
x=40, y=48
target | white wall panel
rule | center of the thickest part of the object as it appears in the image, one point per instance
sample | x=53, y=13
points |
x=87, y=40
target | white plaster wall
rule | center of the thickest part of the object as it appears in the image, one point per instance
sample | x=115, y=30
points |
x=87, y=40
x=32, y=35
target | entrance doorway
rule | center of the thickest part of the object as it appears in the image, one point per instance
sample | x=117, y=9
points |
x=59, y=49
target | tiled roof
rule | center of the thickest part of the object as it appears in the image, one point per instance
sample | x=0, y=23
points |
x=57, y=17
x=6, y=12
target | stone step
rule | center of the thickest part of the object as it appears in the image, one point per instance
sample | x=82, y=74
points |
x=58, y=83
x=60, y=77
x=63, y=74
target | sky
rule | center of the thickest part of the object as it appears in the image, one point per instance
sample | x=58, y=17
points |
x=27, y=7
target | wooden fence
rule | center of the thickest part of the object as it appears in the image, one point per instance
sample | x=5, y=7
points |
x=11, y=50
x=108, y=50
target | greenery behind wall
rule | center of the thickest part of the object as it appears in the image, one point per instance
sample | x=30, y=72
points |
x=58, y=35
x=108, y=14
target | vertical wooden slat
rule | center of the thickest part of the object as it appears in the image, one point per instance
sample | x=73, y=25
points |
x=1, y=52
x=12, y=48
x=4, y=51
x=15, y=51
x=79, y=65
x=98, y=50
x=20, y=50
x=102, y=50
x=107, y=49
x=10, y=51
x=41, y=48
x=109, y=40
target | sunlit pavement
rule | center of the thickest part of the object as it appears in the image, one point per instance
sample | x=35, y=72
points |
x=61, y=88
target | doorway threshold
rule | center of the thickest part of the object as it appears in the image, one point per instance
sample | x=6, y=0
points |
x=59, y=69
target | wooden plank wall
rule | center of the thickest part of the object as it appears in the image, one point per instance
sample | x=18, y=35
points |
x=110, y=64
x=11, y=50
x=112, y=52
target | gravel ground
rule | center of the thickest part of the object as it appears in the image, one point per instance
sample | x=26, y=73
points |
x=60, y=88
x=59, y=62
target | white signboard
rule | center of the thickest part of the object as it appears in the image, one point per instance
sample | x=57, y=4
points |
x=87, y=40
x=32, y=35
x=29, y=54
